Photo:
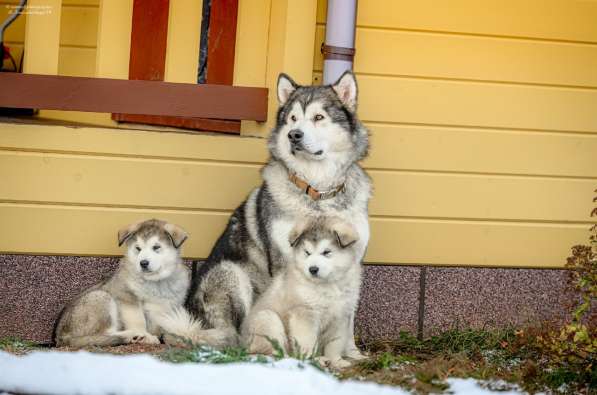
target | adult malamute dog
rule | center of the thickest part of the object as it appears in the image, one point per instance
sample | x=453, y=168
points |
x=150, y=282
x=309, y=305
x=312, y=171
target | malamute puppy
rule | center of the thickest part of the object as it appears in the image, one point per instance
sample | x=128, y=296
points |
x=313, y=171
x=308, y=307
x=151, y=282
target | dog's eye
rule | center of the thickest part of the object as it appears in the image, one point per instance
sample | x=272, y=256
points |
x=157, y=247
x=138, y=248
x=318, y=117
x=307, y=253
x=326, y=253
x=293, y=118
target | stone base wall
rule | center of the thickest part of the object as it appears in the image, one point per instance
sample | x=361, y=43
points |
x=421, y=299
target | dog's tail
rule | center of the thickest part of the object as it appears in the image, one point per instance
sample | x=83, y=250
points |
x=91, y=340
x=180, y=327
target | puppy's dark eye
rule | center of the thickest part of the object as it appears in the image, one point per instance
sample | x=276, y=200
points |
x=318, y=117
x=138, y=248
x=307, y=253
x=293, y=118
x=157, y=247
x=326, y=253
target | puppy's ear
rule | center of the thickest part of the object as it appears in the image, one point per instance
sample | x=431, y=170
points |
x=297, y=233
x=128, y=231
x=177, y=234
x=346, y=89
x=285, y=88
x=346, y=234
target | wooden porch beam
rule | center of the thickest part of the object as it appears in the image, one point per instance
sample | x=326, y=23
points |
x=132, y=97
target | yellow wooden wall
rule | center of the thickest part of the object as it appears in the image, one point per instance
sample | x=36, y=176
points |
x=483, y=117
x=484, y=138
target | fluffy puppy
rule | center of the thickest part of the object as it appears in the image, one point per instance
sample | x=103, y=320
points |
x=151, y=282
x=308, y=307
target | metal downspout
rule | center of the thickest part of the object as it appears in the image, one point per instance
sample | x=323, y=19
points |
x=338, y=49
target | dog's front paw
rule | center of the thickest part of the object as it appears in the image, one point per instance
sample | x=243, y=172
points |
x=151, y=339
x=176, y=341
x=339, y=363
x=323, y=361
x=335, y=363
x=145, y=338
x=356, y=355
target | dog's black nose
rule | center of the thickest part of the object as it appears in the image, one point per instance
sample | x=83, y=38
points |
x=295, y=135
x=313, y=270
x=144, y=263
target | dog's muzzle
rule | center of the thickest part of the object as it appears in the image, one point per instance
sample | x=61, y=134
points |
x=296, y=143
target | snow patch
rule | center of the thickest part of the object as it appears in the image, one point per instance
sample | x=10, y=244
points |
x=86, y=373
x=474, y=387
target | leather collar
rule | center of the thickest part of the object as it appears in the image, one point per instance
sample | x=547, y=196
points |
x=312, y=192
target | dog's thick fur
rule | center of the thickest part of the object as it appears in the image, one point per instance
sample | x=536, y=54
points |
x=308, y=308
x=254, y=245
x=150, y=283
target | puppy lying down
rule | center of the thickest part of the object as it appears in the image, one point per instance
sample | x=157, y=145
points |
x=307, y=308
x=150, y=282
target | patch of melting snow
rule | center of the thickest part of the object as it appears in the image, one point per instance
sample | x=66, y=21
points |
x=86, y=373
x=474, y=387
x=82, y=372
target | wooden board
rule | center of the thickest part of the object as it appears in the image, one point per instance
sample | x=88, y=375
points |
x=182, y=184
x=456, y=103
x=482, y=151
x=134, y=97
x=77, y=61
x=78, y=26
x=448, y=56
x=566, y=20
x=398, y=147
x=148, y=40
x=221, y=42
x=57, y=229
x=132, y=143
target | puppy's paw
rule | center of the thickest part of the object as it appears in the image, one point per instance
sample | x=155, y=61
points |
x=176, y=341
x=356, y=355
x=323, y=361
x=151, y=339
x=339, y=363
x=144, y=338
x=335, y=363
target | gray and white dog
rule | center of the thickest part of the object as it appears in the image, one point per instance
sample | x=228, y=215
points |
x=151, y=282
x=313, y=171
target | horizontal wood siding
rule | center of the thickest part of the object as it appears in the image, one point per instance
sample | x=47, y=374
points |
x=483, y=127
x=78, y=178
x=67, y=229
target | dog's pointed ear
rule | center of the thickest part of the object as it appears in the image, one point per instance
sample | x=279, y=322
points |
x=286, y=86
x=128, y=231
x=346, y=234
x=346, y=89
x=177, y=234
x=297, y=232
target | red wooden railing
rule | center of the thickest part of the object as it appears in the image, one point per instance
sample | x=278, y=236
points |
x=148, y=57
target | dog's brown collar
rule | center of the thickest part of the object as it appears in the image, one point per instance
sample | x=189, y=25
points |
x=312, y=192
